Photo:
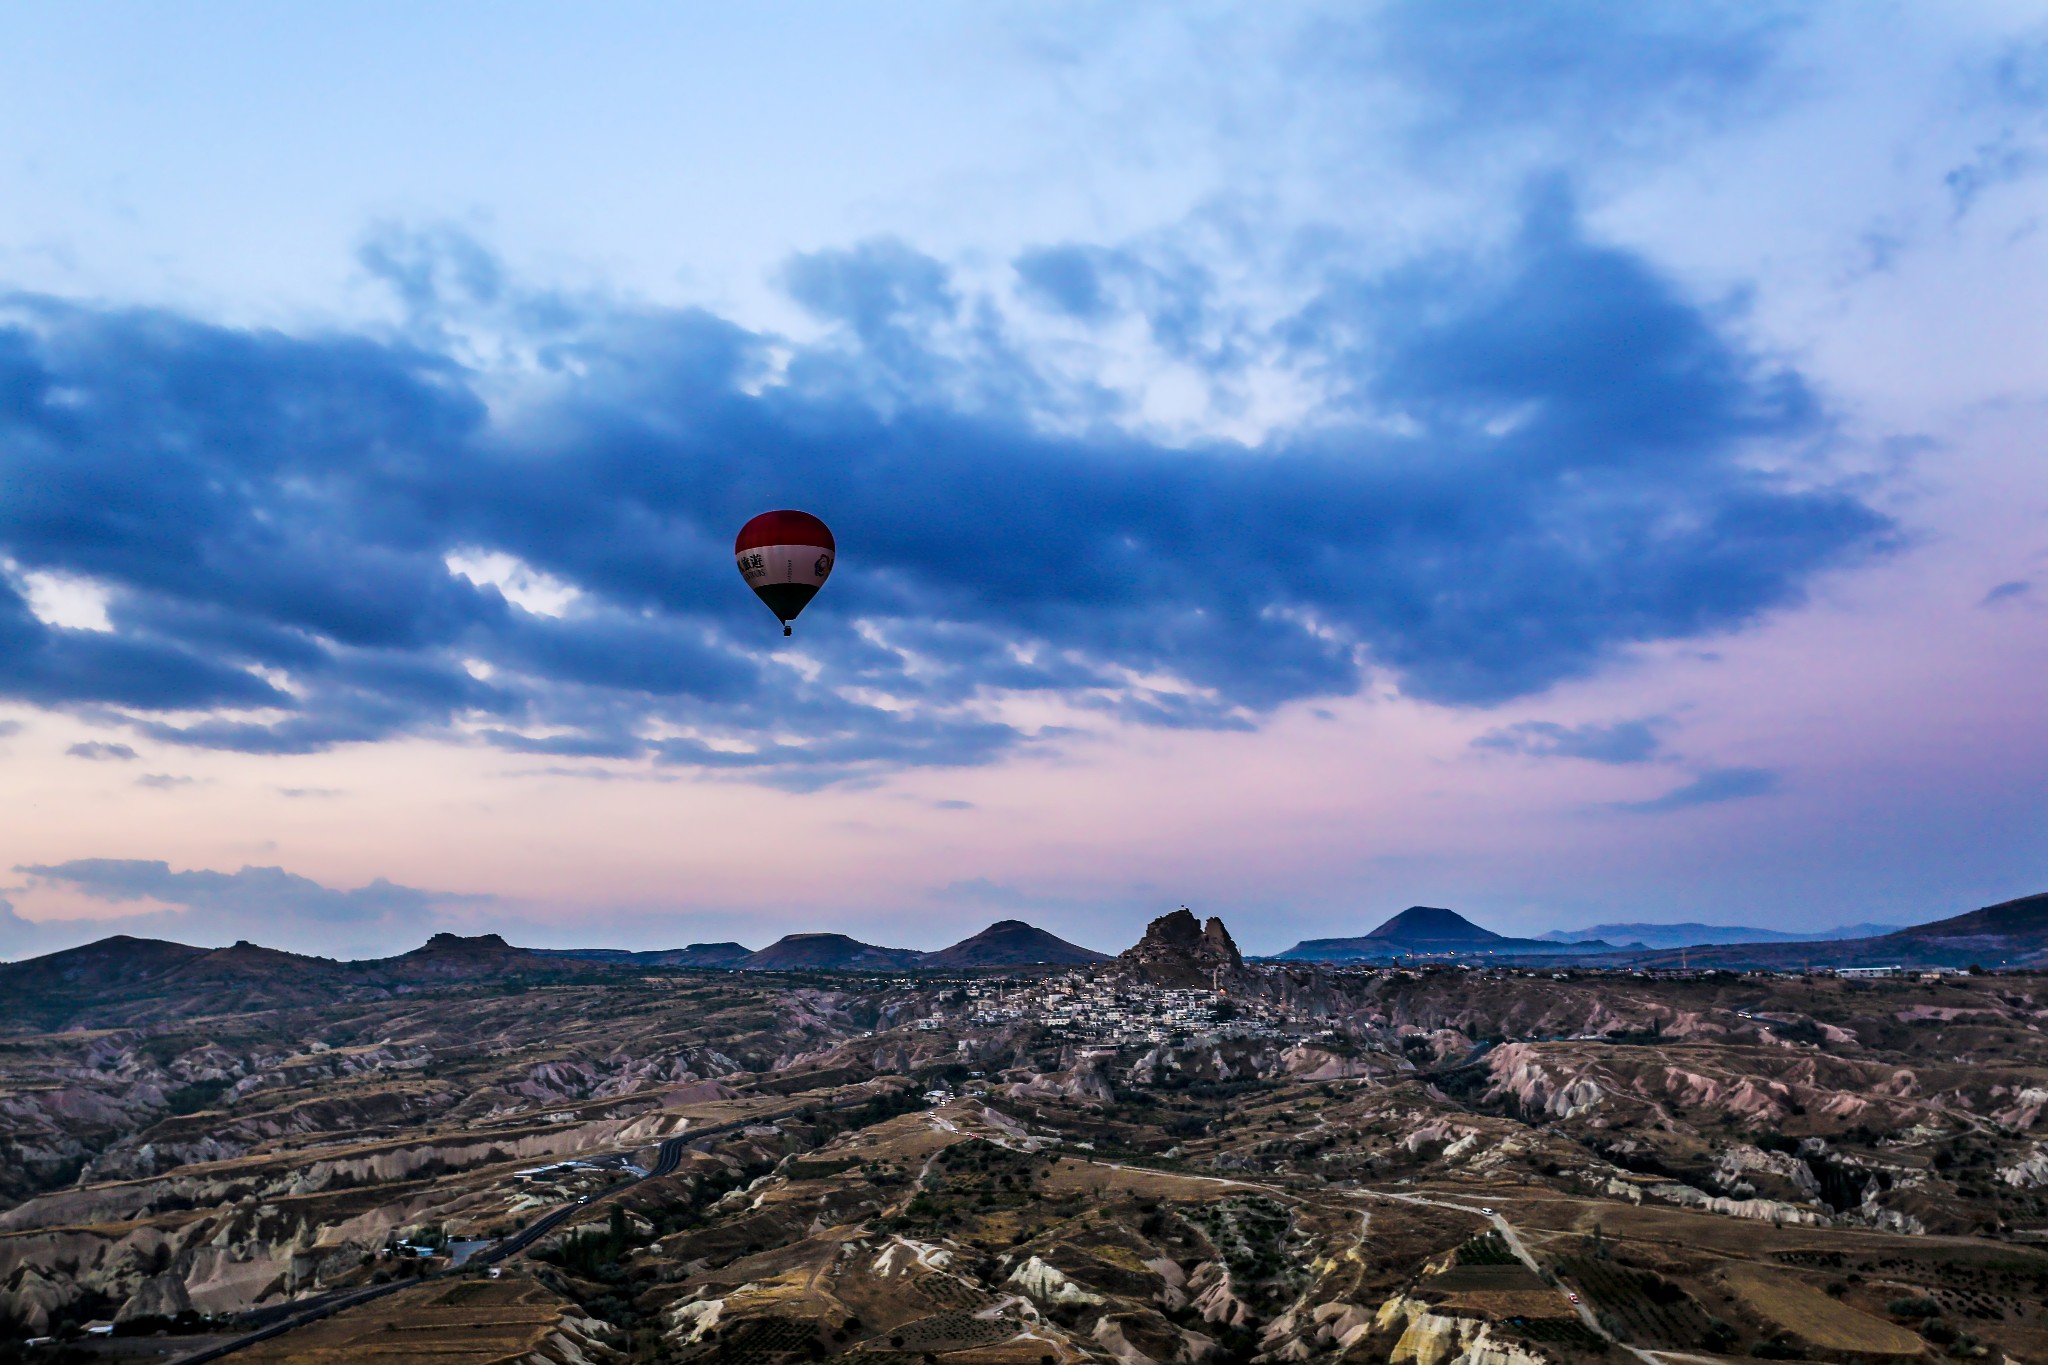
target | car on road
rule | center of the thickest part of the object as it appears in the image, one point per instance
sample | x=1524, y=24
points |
x=1573, y=1297
x=1487, y=1212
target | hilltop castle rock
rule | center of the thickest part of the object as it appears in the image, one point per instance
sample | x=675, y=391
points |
x=1181, y=951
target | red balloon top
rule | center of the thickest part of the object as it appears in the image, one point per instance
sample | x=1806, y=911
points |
x=783, y=528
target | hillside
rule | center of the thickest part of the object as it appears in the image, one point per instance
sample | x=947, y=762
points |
x=1428, y=931
x=828, y=952
x=1013, y=943
x=124, y=981
x=2022, y=922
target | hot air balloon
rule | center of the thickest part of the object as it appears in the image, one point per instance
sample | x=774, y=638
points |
x=785, y=558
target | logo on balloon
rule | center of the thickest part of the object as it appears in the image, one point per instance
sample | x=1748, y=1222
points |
x=823, y=566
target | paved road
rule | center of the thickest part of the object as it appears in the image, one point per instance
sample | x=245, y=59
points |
x=313, y=1310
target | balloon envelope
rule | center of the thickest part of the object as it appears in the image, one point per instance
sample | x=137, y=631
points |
x=785, y=557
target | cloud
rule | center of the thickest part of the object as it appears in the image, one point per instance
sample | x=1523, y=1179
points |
x=2006, y=592
x=267, y=904
x=1522, y=465
x=10, y=727
x=2015, y=90
x=164, y=782
x=1715, y=785
x=1626, y=741
x=100, y=750
x=1603, y=76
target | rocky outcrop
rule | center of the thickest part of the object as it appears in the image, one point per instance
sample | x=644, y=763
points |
x=576, y=1340
x=1146, y=1338
x=1518, y=1072
x=1042, y=1281
x=159, y=1296
x=1181, y=952
x=2029, y=1172
x=1762, y=1210
x=1211, y=1294
x=1432, y=1338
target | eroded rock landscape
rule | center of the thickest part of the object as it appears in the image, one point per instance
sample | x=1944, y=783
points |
x=475, y=1152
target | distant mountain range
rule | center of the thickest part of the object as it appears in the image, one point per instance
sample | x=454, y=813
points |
x=131, y=982
x=2012, y=933
x=1431, y=931
x=1006, y=943
x=1693, y=935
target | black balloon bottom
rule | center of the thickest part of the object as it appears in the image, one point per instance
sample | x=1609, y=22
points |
x=786, y=600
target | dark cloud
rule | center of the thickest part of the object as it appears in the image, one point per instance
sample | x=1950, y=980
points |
x=10, y=727
x=100, y=750
x=164, y=782
x=1626, y=741
x=1528, y=463
x=1715, y=785
x=2006, y=592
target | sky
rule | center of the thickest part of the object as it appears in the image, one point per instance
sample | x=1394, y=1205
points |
x=1570, y=464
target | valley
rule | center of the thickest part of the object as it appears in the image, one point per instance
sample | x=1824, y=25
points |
x=1174, y=1155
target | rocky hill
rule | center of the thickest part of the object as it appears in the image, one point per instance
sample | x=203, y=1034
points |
x=830, y=953
x=1428, y=931
x=1013, y=943
x=1180, y=951
x=715, y=955
x=2021, y=925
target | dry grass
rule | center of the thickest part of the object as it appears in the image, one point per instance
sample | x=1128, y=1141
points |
x=472, y=1321
x=1801, y=1309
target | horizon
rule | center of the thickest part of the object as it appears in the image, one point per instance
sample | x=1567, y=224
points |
x=1580, y=467
x=1250, y=954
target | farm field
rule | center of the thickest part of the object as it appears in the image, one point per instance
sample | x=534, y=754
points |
x=1812, y=1316
x=470, y=1322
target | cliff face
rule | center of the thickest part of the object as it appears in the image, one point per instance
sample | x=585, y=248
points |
x=1180, y=951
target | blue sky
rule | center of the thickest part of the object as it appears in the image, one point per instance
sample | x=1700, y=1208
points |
x=1568, y=464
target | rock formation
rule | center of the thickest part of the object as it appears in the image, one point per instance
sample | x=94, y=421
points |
x=1182, y=952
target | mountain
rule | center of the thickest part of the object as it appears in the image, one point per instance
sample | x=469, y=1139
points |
x=1013, y=943
x=109, y=964
x=696, y=955
x=828, y=952
x=2010, y=934
x=454, y=957
x=1429, y=931
x=2021, y=923
x=134, y=981
x=1180, y=951
x=1693, y=935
